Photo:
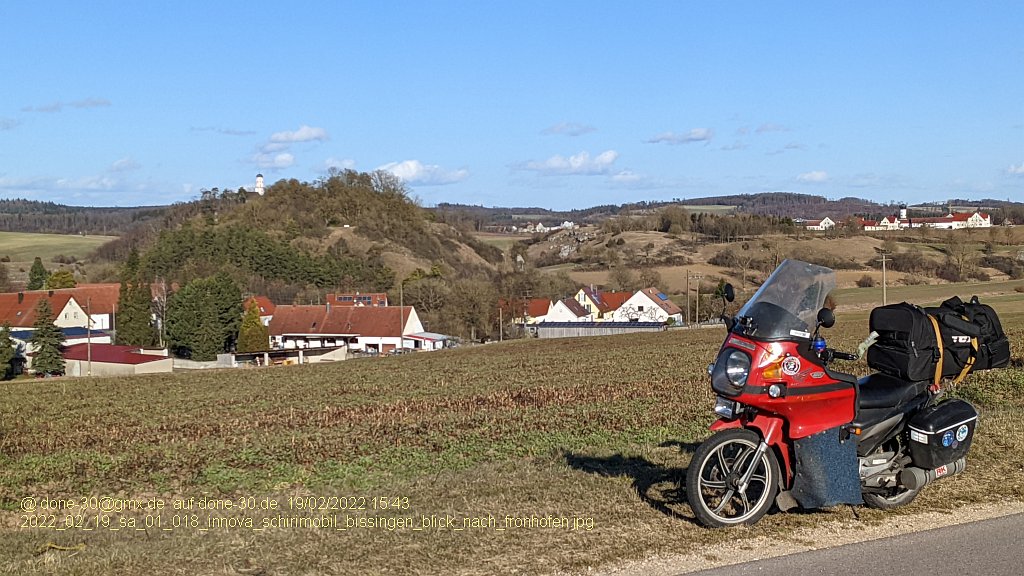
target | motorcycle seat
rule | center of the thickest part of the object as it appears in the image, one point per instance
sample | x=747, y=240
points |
x=883, y=391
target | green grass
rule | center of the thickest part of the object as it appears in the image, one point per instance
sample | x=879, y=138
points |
x=599, y=429
x=23, y=247
x=930, y=294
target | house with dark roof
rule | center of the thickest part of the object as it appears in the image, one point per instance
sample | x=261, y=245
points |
x=376, y=329
x=648, y=305
x=601, y=303
x=569, y=310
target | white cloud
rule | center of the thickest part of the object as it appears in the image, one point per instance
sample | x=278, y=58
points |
x=339, y=164
x=8, y=123
x=225, y=131
x=770, y=127
x=303, y=134
x=58, y=105
x=124, y=165
x=813, y=177
x=1016, y=169
x=568, y=129
x=694, y=135
x=271, y=161
x=417, y=173
x=626, y=177
x=578, y=164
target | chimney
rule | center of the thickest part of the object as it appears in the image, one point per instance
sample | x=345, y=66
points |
x=50, y=293
x=21, y=297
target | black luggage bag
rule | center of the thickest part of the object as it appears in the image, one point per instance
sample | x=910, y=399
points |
x=980, y=321
x=946, y=341
x=906, y=346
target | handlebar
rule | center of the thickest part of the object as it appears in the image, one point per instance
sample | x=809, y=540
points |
x=828, y=354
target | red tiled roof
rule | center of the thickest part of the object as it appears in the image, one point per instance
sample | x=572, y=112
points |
x=97, y=298
x=538, y=307
x=266, y=306
x=354, y=320
x=18, y=309
x=534, y=307
x=965, y=216
x=109, y=353
x=613, y=300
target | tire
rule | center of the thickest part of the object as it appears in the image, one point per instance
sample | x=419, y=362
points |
x=717, y=467
x=894, y=498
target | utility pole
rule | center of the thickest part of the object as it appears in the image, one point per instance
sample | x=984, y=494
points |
x=697, y=311
x=884, y=283
x=88, y=335
x=687, y=298
x=884, y=254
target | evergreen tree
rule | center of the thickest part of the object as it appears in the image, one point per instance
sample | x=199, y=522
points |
x=253, y=335
x=46, y=340
x=5, y=279
x=134, y=313
x=203, y=318
x=7, y=352
x=62, y=278
x=37, y=275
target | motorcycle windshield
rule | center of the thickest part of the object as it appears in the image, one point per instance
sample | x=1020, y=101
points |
x=786, y=305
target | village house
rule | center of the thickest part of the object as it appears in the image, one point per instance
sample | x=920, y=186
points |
x=18, y=309
x=375, y=329
x=568, y=310
x=600, y=303
x=524, y=310
x=648, y=305
x=265, y=306
x=825, y=223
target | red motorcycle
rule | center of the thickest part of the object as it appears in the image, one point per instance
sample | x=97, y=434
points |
x=794, y=432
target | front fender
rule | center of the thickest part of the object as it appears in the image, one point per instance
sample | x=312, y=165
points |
x=771, y=431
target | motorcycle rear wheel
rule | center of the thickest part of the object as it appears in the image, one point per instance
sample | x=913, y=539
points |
x=714, y=479
x=895, y=498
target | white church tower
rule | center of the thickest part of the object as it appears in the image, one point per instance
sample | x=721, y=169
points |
x=259, y=185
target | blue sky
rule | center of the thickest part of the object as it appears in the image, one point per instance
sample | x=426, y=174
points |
x=550, y=104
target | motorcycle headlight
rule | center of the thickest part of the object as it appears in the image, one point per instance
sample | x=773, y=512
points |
x=730, y=372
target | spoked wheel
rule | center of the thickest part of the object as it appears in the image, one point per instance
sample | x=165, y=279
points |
x=728, y=483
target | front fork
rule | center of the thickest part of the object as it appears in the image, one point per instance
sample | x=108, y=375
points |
x=770, y=429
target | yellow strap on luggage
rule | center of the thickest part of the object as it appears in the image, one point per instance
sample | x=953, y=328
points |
x=970, y=361
x=938, y=340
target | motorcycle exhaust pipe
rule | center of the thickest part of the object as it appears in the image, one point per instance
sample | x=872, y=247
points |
x=916, y=478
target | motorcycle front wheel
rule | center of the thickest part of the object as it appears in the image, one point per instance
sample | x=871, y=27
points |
x=728, y=483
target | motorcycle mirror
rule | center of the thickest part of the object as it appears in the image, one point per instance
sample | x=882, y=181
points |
x=728, y=293
x=826, y=318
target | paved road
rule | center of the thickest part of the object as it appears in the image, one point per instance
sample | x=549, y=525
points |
x=990, y=547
